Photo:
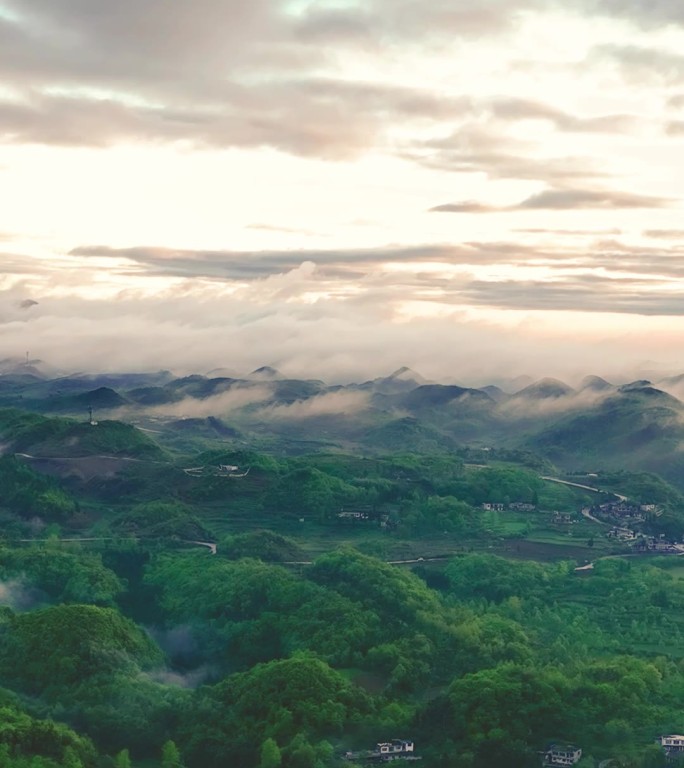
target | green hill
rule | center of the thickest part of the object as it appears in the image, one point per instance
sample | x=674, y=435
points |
x=640, y=429
x=102, y=398
x=57, y=437
x=407, y=434
x=63, y=645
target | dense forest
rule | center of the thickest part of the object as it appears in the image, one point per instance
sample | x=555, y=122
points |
x=126, y=650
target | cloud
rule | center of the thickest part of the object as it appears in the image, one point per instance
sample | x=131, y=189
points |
x=568, y=232
x=645, y=14
x=563, y=199
x=357, y=275
x=514, y=109
x=330, y=403
x=378, y=329
x=19, y=264
x=211, y=309
x=474, y=148
x=304, y=79
x=192, y=679
x=235, y=74
x=577, y=292
x=254, y=265
x=409, y=99
x=17, y=595
x=235, y=398
x=567, y=199
x=404, y=23
x=521, y=407
x=665, y=234
x=129, y=44
x=637, y=63
x=466, y=206
x=282, y=230
x=227, y=74
x=278, y=115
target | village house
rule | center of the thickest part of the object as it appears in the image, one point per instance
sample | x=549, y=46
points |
x=491, y=506
x=385, y=752
x=522, y=506
x=622, y=510
x=562, y=754
x=621, y=534
x=673, y=744
x=387, y=523
x=395, y=747
x=651, y=544
x=353, y=515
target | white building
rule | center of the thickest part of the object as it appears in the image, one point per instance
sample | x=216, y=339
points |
x=562, y=754
x=394, y=747
x=671, y=744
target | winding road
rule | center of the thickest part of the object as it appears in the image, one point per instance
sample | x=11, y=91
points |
x=618, y=496
x=208, y=544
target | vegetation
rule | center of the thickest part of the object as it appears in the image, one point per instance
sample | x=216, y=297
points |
x=60, y=437
x=124, y=643
x=28, y=493
x=513, y=653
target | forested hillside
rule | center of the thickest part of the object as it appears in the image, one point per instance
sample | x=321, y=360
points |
x=231, y=659
x=234, y=603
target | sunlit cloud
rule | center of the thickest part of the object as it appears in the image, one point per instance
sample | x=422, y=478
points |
x=191, y=184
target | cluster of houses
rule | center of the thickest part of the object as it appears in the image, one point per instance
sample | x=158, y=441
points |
x=523, y=506
x=564, y=518
x=645, y=544
x=223, y=470
x=569, y=754
x=623, y=514
x=660, y=544
x=385, y=752
x=365, y=515
x=562, y=754
x=515, y=506
x=625, y=511
x=621, y=534
x=556, y=754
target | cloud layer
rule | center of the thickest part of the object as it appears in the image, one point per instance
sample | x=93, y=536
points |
x=230, y=184
x=461, y=312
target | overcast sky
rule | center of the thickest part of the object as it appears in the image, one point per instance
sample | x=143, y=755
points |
x=340, y=187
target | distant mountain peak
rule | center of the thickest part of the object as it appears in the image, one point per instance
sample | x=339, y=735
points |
x=595, y=383
x=222, y=373
x=546, y=388
x=437, y=395
x=265, y=372
x=406, y=374
x=645, y=390
x=639, y=384
x=496, y=393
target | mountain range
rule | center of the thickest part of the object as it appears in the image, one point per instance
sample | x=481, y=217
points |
x=594, y=426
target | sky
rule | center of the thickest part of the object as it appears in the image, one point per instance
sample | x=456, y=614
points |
x=341, y=187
